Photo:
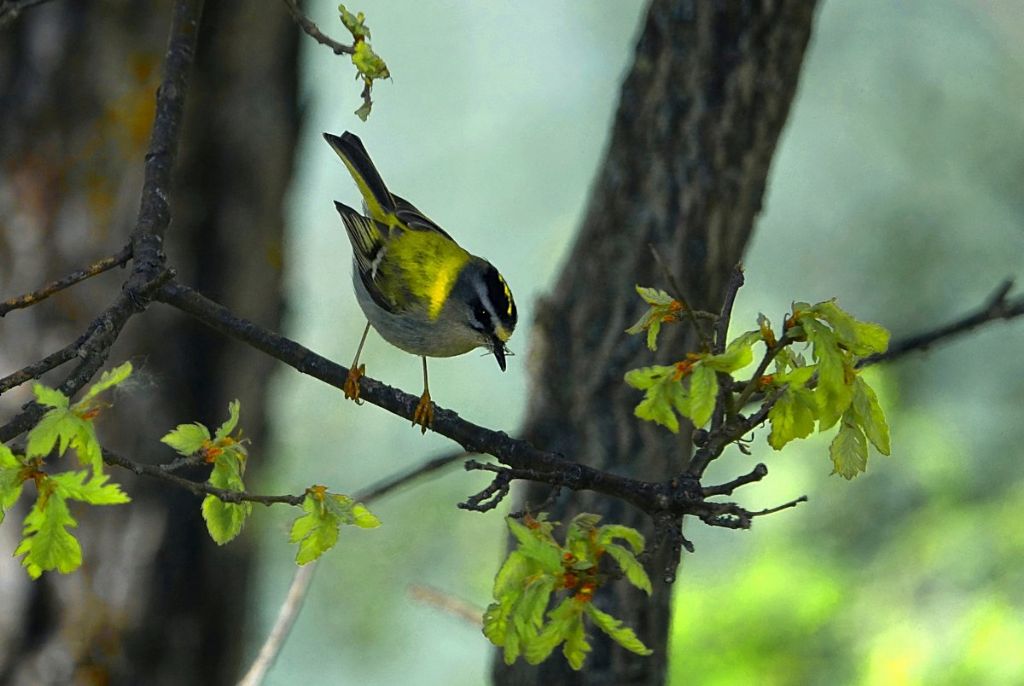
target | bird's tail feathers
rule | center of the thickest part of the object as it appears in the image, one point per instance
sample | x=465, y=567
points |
x=379, y=203
x=366, y=235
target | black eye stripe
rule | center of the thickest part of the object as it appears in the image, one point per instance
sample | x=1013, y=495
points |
x=500, y=297
x=482, y=316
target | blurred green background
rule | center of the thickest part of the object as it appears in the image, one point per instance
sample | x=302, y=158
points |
x=897, y=187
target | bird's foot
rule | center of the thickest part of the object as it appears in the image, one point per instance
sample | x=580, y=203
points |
x=351, y=387
x=424, y=415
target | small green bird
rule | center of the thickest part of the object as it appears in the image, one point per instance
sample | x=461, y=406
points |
x=417, y=287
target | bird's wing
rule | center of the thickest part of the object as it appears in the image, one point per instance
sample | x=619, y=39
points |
x=369, y=241
x=410, y=217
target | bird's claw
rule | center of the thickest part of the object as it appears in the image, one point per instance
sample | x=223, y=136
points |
x=351, y=387
x=424, y=414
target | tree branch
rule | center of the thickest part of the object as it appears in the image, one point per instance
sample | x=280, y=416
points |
x=98, y=267
x=996, y=307
x=543, y=466
x=11, y=9
x=314, y=32
x=148, y=270
x=197, y=487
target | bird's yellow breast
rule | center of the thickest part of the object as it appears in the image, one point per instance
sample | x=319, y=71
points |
x=430, y=265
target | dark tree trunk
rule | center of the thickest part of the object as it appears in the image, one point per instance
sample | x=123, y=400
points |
x=700, y=114
x=156, y=601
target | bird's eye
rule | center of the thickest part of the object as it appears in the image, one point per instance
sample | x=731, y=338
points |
x=482, y=317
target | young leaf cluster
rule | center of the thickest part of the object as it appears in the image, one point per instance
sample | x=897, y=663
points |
x=811, y=396
x=228, y=456
x=47, y=544
x=688, y=388
x=540, y=570
x=317, y=531
x=831, y=390
x=368, y=63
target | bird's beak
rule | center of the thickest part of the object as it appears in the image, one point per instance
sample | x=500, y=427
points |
x=498, y=348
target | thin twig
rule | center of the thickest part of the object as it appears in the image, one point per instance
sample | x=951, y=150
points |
x=197, y=487
x=314, y=32
x=396, y=481
x=762, y=367
x=673, y=283
x=784, y=506
x=758, y=473
x=37, y=369
x=98, y=267
x=997, y=306
x=286, y=617
x=448, y=603
x=11, y=9
x=722, y=326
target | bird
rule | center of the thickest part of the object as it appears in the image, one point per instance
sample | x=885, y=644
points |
x=419, y=289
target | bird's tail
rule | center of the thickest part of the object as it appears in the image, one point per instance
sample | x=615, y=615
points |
x=379, y=203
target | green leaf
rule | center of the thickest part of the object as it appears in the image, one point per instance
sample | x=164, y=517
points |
x=8, y=460
x=511, y=576
x=647, y=377
x=542, y=550
x=224, y=520
x=87, y=446
x=95, y=491
x=47, y=544
x=654, y=296
x=225, y=429
x=663, y=308
x=833, y=394
x=575, y=648
x=368, y=62
x=702, y=393
x=187, y=439
x=363, y=518
x=622, y=635
x=561, y=621
x=862, y=338
x=868, y=414
x=528, y=615
x=608, y=533
x=663, y=395
x=871, y=338
x=635, y=572
x=355, y=23
x=58, y=427
x=500, y=631
x=11, y=480
x=792, y=416
x=849, y=450
x=316, y=532
x=49, y=397
x=653, y=329
x=738, y=354
x=108, y=379
x=63, y=428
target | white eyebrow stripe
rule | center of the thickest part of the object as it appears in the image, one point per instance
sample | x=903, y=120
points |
x=485, y=300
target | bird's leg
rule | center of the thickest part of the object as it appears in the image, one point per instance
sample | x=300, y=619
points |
x=424, y=415
x=356, y=371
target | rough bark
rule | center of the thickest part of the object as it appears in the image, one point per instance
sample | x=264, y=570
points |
x=700, y=115
x=156, y=602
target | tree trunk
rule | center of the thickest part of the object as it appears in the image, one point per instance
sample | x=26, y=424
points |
x=700, y=114
x=156, y=602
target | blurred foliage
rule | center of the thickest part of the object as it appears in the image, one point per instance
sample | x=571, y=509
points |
x=895, y=188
